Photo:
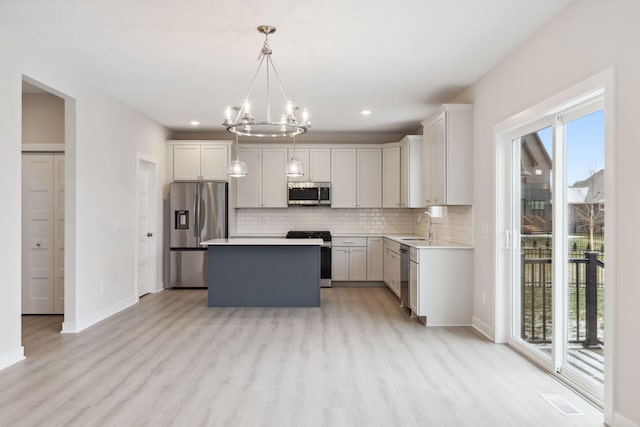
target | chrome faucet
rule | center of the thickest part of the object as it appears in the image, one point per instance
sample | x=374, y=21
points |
x=429, y=230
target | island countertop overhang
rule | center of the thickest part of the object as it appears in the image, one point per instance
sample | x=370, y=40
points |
x=262, y=242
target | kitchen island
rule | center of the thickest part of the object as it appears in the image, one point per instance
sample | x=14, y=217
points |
x=263, y=272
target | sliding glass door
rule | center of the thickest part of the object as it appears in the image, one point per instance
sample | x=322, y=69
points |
x=557, y=244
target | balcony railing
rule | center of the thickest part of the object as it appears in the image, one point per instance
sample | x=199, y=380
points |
x=585, y=296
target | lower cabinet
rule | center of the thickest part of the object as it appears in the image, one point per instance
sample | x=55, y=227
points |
x=441, y=285
x=414, y=278
x=392, y=265
x=349, y=259
x=375, y=251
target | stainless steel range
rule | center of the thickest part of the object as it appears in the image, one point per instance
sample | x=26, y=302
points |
x=325, y=252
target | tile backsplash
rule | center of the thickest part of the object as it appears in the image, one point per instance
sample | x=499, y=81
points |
x=455, y=226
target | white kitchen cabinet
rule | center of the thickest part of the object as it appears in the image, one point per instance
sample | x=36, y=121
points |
x=392, y=265
x=320, y=164
x=349, y=259
x=343, y=178
x=249, y=188
x=186, y=163
x=274, y=179
x=447, y=156
x=356, y=178
x=369, y=180
x=316, y=163
x=441, y=286
x=265, y=185
x=358, y=263
x=391, y=188
x=414, y=278
x=411, y=172
x=214, y=161
x=339, y=263
x=375, y=255
x=196, y=162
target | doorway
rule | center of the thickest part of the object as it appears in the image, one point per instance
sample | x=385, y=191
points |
x=146, y=226
x=554, y=209
x=43, y=201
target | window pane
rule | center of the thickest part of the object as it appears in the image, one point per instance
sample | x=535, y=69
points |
x=535, y=240
x=586, y=253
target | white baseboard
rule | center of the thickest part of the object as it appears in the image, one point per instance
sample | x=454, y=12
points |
x=482, y=328
x=159, y=287
x=82, y=324
x=11, y=357
x=620, y=420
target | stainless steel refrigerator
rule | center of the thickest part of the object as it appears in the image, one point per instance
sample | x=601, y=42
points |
x=198, y=212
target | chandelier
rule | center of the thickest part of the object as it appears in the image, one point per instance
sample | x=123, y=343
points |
x=240, y=120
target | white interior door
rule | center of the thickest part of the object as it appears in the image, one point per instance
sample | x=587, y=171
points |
x=37, y=234
x=146, y=228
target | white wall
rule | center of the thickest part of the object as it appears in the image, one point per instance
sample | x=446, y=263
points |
x=100, y=168
x=10, y=178
x=109, y=135
x=585, y=39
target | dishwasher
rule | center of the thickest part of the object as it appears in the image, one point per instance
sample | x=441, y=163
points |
x=404, y=277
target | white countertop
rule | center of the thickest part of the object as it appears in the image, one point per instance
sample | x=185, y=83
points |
x=248, y=241
x=421, y=242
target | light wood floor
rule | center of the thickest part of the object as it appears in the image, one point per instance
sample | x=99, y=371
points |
x=357, y=361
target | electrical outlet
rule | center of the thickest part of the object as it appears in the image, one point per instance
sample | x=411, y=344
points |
x=484, y=228
x=484, y=298
x=101, y=288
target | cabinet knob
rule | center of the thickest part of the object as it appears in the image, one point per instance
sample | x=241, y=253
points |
x=38, y=244
x=149, y=234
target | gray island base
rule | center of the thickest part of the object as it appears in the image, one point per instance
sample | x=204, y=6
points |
x=269, y=273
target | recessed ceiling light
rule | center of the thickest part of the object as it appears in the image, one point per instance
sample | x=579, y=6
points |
x=194, y=122
x=365, y=112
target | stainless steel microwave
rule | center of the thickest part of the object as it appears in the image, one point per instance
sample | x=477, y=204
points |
x=309, y=193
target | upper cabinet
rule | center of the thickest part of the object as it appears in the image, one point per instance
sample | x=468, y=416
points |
x=369, y=178
x=356, y=178
x=391, y=188
x=316, y=163
x=411, y=172
x=200, y=161
x=265, y=186
x=320, y=164
x=343, y=178
x=447, y=156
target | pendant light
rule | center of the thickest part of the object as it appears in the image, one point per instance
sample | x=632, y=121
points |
x=237, y=167
x=294, y=166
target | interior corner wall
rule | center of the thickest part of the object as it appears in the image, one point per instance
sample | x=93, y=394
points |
x=585, y=39
x=10, y=215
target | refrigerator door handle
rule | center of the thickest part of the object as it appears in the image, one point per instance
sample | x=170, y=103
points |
x=202, y=217
x=196, y=214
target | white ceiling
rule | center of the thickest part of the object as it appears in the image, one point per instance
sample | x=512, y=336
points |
x=181, y=60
